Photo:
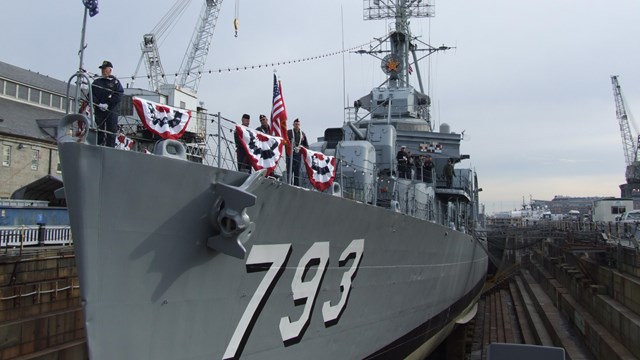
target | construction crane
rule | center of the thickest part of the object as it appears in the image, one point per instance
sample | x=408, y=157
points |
x=193, y=62
x=629, y=144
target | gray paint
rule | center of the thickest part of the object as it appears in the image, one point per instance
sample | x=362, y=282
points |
x=152, y=289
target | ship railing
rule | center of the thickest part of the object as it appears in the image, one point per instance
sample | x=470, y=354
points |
x=356, y=190
x=34, y=235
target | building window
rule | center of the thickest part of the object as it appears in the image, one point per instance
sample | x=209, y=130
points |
x=6, y=155
x=46, y=99
x=35, y=159
x=23, y=92
x=1, y=86
x=34, y=95
x=618, y=209
x=11, y=89
x=56, y=101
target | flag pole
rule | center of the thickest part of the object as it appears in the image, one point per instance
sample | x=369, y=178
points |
x=80, y=66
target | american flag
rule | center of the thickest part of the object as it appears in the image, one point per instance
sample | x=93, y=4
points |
x=92, y=6
x=279, y=113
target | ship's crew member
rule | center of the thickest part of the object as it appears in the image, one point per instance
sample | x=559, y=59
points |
x=427, y=170
x=449, y=173
x=107, y=93
x=418, y=163
x=241, y=154
x=403, y=163
x=297, y=138
x=264, y=125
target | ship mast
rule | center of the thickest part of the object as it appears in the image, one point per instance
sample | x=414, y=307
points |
x=396, y=64
x=396, y=100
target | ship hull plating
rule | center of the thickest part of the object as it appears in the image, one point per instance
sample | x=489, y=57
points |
x=323, y=277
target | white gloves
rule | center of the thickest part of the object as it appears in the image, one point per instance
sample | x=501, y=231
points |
x=103, y=107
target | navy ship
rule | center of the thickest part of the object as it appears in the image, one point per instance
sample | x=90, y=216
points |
x=181, y=260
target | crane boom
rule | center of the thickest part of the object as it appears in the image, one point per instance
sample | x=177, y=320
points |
x=151, y=55
x=195, y=58
x=629, y=145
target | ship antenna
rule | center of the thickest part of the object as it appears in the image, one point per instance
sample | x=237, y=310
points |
x=344, y=86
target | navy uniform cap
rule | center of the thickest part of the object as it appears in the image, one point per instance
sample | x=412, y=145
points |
x=106, y=64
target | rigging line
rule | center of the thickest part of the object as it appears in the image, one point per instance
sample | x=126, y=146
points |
x=170, y=19
x=174, y=21
x=259, y=66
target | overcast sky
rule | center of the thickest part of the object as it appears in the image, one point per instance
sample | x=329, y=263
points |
x=528, y=82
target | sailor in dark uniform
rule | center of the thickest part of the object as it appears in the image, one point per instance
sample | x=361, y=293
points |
x=427, y=170
x=264, y=125
x=404, y=167
x=107, y=93
x=297, y=138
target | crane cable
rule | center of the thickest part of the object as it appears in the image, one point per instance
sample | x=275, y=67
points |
x=236, y=22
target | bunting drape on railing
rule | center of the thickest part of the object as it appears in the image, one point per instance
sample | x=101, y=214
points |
x=321, y=168
x=263, y=150
x=163, y=120
x=124, y=143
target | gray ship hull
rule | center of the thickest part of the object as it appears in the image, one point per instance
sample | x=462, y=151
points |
x=323, y=277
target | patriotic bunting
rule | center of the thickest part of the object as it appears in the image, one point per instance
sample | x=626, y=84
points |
x=165, y=121
x=263, y=150
x=321, y=168
x=124, y=143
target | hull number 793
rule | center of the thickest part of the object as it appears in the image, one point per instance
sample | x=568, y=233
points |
x=273, y=259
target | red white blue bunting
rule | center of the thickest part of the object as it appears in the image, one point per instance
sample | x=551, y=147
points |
x=321, y=168
x=165, y=121
x=263, y=150
x=124, y=143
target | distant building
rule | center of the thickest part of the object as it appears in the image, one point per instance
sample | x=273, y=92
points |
x=610, y=209
x=563, y=204
x=31, y=106
x=560, y=207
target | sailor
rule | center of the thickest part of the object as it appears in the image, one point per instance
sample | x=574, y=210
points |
x=449, y=173
x=403, y=163
x=241, y=153
x=264, y=124
x=107, y=93
x=427, y=170
x=298, y=138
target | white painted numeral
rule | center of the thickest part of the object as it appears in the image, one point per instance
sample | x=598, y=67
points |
x=331, y=314
x=305, y=291
x=277, y=256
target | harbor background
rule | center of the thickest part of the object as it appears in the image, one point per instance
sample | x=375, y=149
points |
x=527, y=83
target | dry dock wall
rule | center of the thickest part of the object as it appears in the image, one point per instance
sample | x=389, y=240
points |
x=600, y=304
x=40, y=311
